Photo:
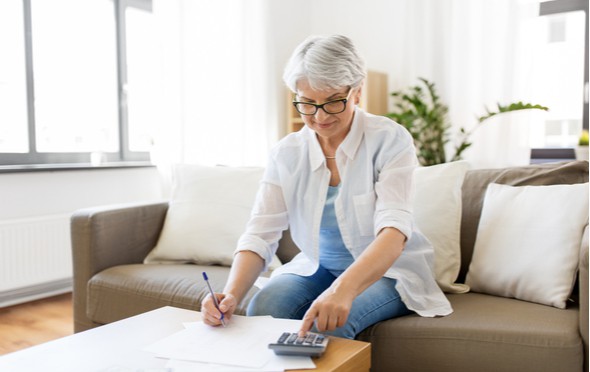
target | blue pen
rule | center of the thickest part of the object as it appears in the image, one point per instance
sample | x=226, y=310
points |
x=214, y=298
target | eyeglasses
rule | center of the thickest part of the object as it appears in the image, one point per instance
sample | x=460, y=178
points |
x=331, y=107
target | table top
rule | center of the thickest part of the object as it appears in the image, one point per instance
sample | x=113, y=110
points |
x=120, y=345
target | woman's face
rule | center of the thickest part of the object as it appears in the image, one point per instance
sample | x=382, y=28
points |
x=334, y=126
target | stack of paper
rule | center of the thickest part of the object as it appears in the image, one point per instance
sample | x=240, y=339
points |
x=240, y=346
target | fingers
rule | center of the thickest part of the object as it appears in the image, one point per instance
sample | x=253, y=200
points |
x=308, y=320
x=210, y=314
x=210, y=319
x=325, y=316
x=328, y=322
x=227, y=306
x=227, y=303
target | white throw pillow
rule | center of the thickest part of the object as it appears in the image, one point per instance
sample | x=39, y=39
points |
x=528, y=242
x=437, y=213
x=209, y=210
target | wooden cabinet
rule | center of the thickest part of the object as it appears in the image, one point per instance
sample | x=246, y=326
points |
x=374, y=99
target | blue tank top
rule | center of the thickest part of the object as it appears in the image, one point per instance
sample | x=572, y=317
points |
x=333, y=252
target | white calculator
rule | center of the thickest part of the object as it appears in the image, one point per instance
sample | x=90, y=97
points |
x=289, y=343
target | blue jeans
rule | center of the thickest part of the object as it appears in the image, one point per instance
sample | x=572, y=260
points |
x=289, y=296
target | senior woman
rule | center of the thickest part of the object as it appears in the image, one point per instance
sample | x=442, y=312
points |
x=343, y=185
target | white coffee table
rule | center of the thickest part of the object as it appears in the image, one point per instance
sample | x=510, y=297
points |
x=121, y=344
x=114, y=344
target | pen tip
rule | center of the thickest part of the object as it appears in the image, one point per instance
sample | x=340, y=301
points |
x=205, y=276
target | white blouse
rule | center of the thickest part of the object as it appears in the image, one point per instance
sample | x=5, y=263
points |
x=376, y=161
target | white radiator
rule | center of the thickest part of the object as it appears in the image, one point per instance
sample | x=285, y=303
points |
x=35, y=258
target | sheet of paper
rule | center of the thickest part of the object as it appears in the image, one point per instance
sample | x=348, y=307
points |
x=243, y=343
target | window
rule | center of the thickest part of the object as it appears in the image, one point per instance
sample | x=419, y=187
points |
x=139, y=88
x=74, y=81
x=13, y=93
x=560, y=74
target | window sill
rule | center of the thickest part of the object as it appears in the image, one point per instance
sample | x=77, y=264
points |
x=73, y=167
x=551, y=155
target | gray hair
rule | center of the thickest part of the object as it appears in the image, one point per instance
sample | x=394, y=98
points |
x=326, y=62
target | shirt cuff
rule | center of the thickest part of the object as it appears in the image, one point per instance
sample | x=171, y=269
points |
x=257, y=245
x=399, y=219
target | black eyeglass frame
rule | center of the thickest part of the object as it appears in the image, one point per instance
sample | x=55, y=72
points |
x=317, y=107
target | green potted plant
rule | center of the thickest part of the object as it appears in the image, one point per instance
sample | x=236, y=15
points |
x=421, y=111
x=582, y=148
x=463, y=141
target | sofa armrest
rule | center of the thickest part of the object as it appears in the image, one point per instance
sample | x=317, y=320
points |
x=583, y=289
x=108, y=236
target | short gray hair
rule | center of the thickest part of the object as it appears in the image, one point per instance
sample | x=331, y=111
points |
x=326, y=62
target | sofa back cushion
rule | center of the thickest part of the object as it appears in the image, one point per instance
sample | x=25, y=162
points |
x=208, y=211
x=477, y=180
x=287, y=248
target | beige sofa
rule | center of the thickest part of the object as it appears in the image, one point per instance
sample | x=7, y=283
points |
x=484, y=333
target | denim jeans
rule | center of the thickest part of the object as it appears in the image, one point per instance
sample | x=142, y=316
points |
x=289, y=296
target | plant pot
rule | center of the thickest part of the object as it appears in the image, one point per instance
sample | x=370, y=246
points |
x=581, y=153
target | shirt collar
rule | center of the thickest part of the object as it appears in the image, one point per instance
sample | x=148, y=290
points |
x=352, y=142
x=349, y=146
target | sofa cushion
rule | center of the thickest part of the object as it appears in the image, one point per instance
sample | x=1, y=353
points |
x=477, y=180
x=208, y=212
x=484, y=333
x=528, y=242
x=123, y=291
x=437, y=212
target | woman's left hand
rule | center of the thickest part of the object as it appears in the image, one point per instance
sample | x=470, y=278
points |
x=329, y=311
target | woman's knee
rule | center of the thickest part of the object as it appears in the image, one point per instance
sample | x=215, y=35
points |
x=279, y=301
x=264, y=303
x=282, y=308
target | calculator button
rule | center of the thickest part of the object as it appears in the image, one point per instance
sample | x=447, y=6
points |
x=283, y=337
x=289, y=343
x=309, y=338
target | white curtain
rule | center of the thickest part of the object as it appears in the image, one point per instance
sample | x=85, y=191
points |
x=478, y=53
x=491, y=64
x=221, y=103
x=215, y=96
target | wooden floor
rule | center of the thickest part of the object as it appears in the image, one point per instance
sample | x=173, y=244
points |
x=36, y=322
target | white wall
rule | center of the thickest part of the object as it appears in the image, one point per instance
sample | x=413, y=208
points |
x=404, y=38
x=289, y=23
x=378, y=27
x=390, y=35
x=375, y=26
x=39, y=203
x=24, y=195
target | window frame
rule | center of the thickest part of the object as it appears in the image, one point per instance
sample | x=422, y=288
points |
x=556, y=7
x=76, y=159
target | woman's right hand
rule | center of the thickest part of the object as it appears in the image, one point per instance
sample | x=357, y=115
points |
x=246, y=267
x=212, y=316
